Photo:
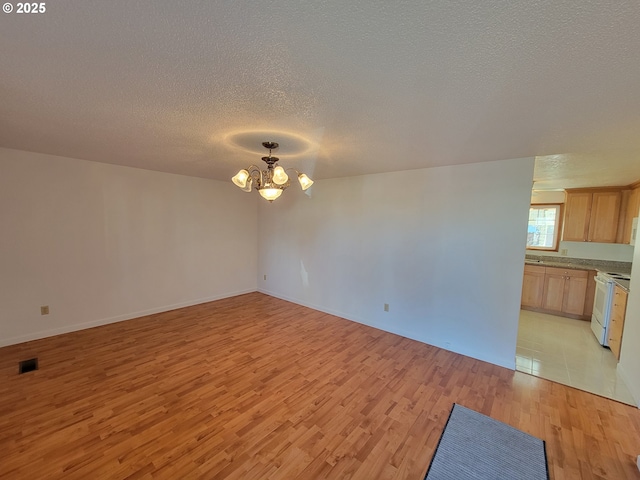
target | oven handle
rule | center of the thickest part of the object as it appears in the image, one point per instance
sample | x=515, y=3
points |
x=599, y=281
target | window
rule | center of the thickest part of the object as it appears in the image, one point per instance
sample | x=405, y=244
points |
x=543, y=232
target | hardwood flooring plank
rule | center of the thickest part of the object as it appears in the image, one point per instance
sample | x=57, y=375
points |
x=256, y=387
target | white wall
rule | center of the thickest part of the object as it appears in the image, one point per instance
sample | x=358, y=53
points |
x=444, y=247
x=100, y=243
x=629, y=366
x=547, y=196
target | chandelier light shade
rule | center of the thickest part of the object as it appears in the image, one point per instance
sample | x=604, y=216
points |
x=271, y=182
x=241, y=178
x=305, y=182
x=270, y=193
x=280, y=177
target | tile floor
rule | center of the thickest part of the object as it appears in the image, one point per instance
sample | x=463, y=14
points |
x=565, y=351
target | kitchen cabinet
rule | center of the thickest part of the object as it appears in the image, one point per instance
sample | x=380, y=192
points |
x=632, y=210
x=560, y=291
x=576, y=217
x=565, y=291
x=603, y=224
x=575, y=292
x=616, y=326
x=532, y=286
x=591, y=215
x=553, y=294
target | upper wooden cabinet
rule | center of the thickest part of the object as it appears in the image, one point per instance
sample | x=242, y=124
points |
x=576, y=217
x=605, y=210
x=591, y=215
x=632, y=210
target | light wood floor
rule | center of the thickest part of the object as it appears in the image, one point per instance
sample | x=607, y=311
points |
x=253, y=387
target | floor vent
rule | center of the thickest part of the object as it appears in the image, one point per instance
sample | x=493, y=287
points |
x=28, y=365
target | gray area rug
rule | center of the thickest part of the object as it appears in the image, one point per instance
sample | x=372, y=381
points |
x=474, y=446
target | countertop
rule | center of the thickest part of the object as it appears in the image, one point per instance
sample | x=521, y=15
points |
x=622, y=283
x=585, y=265
x=578, y=263
x=553, y=264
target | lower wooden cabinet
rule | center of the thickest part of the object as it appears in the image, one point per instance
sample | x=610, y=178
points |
x=616, y=326
x=559, y=291
x=532, y=286
x=575, y=293
x=565, y=290
x=553, y=296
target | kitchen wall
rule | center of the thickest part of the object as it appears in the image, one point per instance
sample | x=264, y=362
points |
x=101, y=243
x=547, y=196
x=443, y=247
x=597, y=251
x=629, y=366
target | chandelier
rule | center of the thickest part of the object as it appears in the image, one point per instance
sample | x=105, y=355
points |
x=271, y=182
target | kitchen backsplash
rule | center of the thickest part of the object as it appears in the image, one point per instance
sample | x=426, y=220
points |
x=608, y=265
x=616, y=252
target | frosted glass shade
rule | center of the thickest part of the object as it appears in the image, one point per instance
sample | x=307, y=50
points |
x=280, y=177
x=240, y=179
x=305, y=182
x=270, y=193
x=247, y=188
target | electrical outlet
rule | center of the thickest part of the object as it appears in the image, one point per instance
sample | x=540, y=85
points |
x=44, y=310
x=386, y=307
x=564, y=252
x=265, y=277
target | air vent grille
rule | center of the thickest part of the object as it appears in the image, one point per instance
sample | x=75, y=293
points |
x=28, y=365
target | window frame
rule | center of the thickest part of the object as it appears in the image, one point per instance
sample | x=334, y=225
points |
x=558, y=236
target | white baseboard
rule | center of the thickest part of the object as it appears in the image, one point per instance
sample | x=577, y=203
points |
x=118, y=318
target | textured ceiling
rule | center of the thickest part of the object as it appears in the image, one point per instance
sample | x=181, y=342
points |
x=345, y=87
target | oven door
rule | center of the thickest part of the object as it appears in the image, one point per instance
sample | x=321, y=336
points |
x=599, y=318
x=600, y=302
x=598, y=330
